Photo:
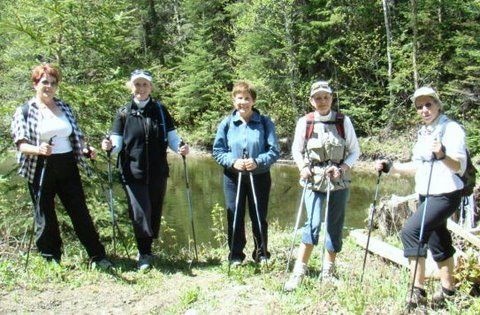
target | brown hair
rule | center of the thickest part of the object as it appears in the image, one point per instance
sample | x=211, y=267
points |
x=46, y=69
x=244, y=87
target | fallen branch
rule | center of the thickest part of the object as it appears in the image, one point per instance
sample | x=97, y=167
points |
x=394, y=254
x=466, y=235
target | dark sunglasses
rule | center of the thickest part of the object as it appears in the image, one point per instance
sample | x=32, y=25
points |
x=49, y=83
x=140, y=71
x=420, y=106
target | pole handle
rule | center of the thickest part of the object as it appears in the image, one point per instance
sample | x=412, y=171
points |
x=181, y=144
x=50, y=141
x=109, y=152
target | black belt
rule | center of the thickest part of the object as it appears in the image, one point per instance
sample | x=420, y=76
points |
x=324, y=163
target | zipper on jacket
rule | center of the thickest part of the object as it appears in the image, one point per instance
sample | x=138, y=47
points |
x=147, y=123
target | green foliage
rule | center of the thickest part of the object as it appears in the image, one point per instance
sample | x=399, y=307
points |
x=468, y=272
x=219, y=224
x=190, y=296
x=197, y=49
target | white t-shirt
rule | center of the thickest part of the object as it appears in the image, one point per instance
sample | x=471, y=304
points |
x=58, y=126
x=444, y=180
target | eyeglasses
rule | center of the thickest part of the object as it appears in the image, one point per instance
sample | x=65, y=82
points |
x=49, y=83
x=140, y=71
x=321, y=84
x=421, y=106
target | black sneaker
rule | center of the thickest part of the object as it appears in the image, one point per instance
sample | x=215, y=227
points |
x=417, y=299
x=101, y=264
x=441, y=296
x=144, y=262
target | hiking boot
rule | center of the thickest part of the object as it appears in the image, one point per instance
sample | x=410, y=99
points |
x=441, y=296
x=144, y=261
x=418, y=298
x=101, y=264
x=329, y=271
x=294, y=282
x=296, y=278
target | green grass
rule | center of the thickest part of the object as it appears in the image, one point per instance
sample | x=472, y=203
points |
x=207, y=288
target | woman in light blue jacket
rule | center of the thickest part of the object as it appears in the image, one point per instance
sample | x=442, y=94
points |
x=246, y=144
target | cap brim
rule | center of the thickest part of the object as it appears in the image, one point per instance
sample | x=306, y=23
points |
x=322, y=89
x=140, y=76
x=432, y=95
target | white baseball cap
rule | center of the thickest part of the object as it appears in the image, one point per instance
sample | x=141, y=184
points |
x=139, y=73
x=320, y=86
x=425, y=91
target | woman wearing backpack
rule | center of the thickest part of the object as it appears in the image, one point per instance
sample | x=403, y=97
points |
x=50, y=146
x=439, y=157
x=325, y=148
x=246, y=146
x=142, y=131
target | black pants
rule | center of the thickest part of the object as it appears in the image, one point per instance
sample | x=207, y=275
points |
x=435, y=233
x=145, y=209
x=62, y=177
x=262, y=184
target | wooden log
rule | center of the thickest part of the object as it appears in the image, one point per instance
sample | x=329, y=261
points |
x=466, y=235
x=392, y=253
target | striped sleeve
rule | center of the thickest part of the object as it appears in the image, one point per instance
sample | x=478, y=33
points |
x=18, y=127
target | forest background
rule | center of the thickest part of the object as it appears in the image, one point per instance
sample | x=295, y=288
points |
x=374, y=53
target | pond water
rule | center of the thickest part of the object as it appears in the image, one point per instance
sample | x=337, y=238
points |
x=206, y=184
x=206, y=178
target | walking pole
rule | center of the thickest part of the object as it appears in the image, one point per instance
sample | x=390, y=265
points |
x=327, y=203
x=189, y=198
x=420, y=236
x=110, y=199
x=110, y=205
x=370, y=224
x=297, y=223
x=237, y=201
x=262, y=238
x=37, y=203
x=463, y=203
x=299, y=213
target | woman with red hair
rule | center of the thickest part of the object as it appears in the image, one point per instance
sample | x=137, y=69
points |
x=49, y=141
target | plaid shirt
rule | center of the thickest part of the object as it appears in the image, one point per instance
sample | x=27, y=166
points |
x=28, y=131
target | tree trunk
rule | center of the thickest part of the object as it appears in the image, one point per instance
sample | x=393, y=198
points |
x=149, y=25
x=178, y=27
x=389, y=43
x=414, y=42
x=291, y=61
x=390, y=66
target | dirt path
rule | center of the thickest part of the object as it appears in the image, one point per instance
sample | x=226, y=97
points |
x=162, y=294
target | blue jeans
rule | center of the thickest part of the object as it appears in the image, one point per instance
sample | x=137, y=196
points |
x=314, y=202
x=262, y=184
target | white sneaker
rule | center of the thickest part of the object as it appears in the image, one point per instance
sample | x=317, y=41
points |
x=294, y=282
x=296, y=278
x=329, y=272
x=235, y=263
x=144, y=261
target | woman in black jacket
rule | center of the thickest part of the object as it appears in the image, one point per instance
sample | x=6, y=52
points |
x=141, y=133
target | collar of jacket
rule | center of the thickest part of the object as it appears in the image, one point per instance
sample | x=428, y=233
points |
x=256, y=117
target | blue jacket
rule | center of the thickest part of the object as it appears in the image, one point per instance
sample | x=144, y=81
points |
x=257, y=137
